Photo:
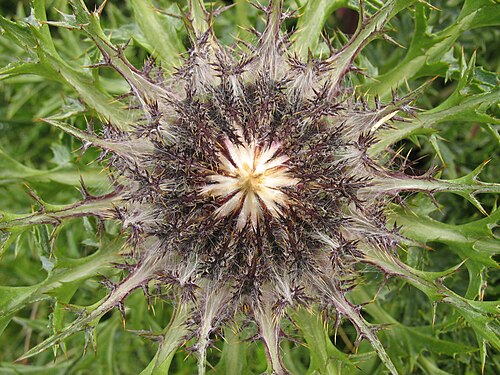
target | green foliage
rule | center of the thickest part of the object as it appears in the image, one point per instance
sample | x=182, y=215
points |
x=440, y=304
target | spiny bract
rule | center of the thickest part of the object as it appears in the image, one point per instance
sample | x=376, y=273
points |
x=246, y=186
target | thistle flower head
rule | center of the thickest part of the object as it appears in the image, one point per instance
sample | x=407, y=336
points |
x=255, y=192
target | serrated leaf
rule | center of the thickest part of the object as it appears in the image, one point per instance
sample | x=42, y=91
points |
x=62, y=156
x=159, y=33
x=311, y=23
x=427, y=50
x=325, y=357
x=27, y=67
x=173, y=335
x=458, y=107
x=460, y=238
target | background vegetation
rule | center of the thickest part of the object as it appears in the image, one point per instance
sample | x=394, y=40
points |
x=44, y=275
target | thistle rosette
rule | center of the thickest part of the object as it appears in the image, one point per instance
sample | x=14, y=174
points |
x=249, y=187
x=245, y=183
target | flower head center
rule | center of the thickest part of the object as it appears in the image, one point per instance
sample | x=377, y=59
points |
x=249, y=181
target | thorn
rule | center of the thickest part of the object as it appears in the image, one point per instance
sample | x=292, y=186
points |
x=214, y=13
x=434, y=311
x=52, y=237
x=108, y=284
x=101, y=8
x=90, y=125
x=100, y=228
x=148, y=296
x=336, y=325
x=173, y=15
x=258, y=6
x=148, y=335
x=35, y=196
x=390, y=40
x=90, y=338
x=102, y=156
x=83, y=190
x=101, y=64
x=357, y=343
x=429, y=5
x=362, y=14
x=434, y=201
x=121, y=307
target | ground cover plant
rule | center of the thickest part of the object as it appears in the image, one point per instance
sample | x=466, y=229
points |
x=285, y=187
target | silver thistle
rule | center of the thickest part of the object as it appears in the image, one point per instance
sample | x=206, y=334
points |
x=245, y=186
x=248, y=188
